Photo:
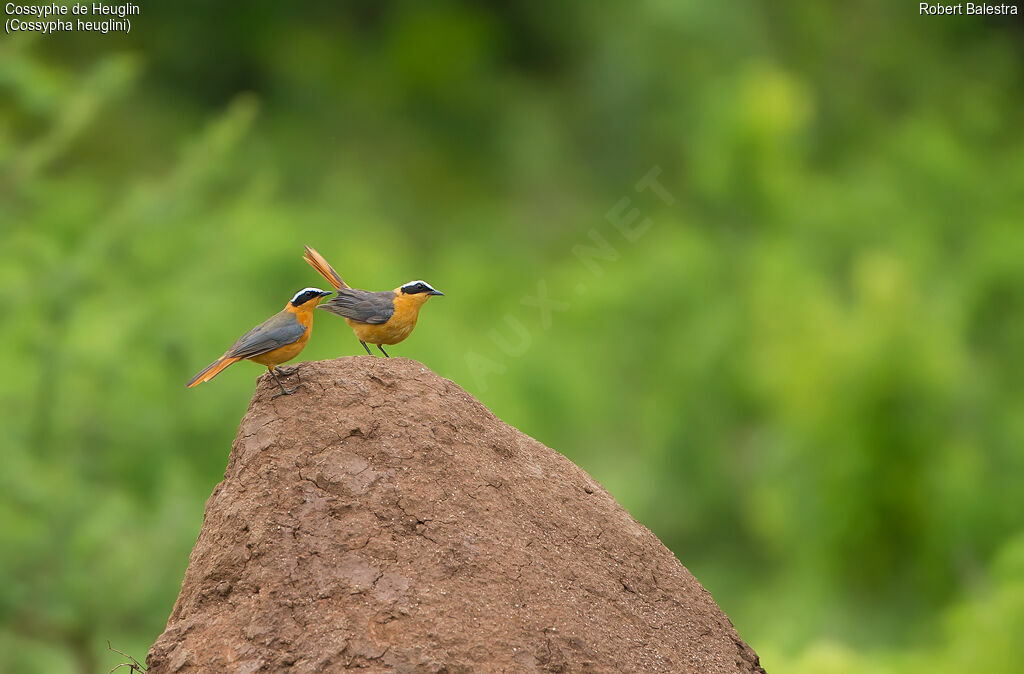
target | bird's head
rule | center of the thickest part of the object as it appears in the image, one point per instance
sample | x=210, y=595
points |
x=307, y=298
x=418, y=291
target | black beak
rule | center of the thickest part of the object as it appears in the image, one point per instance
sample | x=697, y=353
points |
x=326, y=293
x=436, y=292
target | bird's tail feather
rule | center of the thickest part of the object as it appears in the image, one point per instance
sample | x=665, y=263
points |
x=212, y=370
x=317, y=261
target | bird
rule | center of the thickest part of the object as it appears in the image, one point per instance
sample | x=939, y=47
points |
x=385, y=317
x=274, y=341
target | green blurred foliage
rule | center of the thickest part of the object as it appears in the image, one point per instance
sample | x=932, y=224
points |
x=804, y=375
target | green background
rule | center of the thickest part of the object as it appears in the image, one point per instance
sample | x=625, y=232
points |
x=805, y=376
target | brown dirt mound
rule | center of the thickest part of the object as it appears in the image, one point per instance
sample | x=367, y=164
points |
x=383, y=518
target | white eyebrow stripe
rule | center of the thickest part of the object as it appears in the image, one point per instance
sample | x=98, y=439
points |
x=305, y=290
x=412, y=283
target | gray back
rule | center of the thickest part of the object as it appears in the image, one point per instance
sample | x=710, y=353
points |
x=362, y=306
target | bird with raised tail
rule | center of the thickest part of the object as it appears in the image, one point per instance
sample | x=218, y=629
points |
x=385, y=317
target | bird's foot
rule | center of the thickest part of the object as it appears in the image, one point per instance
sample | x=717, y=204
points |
x=284, y=392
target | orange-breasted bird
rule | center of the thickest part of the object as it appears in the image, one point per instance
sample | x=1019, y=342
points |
x=380, y=318
x=274, y=341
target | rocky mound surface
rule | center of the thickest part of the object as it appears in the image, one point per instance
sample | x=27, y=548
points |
x=382, y=518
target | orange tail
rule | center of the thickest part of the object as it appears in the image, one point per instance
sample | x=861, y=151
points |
x=212, y=370
x=317, y=261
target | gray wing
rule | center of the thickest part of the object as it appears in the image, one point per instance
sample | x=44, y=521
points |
x=362, y=305
x=279, y=330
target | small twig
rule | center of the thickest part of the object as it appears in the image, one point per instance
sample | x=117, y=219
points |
x=132, y=666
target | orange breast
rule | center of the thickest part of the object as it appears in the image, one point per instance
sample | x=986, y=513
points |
x=392, y=332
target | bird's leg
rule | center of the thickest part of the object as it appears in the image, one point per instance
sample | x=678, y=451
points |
x=368, y=352
x=284, y=391
x=286, y=371
x=381, y=347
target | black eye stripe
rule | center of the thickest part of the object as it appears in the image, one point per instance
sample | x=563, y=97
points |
x=305, y=297
x=415, y=288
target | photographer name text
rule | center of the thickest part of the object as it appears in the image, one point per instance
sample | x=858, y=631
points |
x=965, y=8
